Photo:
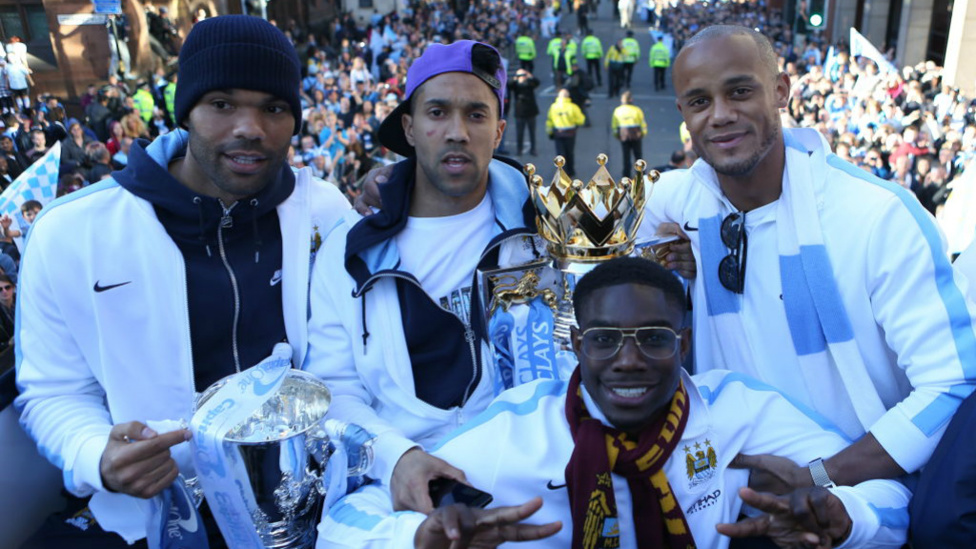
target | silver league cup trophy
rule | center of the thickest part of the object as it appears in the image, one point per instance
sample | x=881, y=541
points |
x=583, y=224
x=293, y=458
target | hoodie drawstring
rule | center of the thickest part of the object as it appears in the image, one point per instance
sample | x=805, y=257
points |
x=362, y=300
x=257, y=234
x=201, y=237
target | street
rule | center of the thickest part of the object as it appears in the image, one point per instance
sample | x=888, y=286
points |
x=662, y=117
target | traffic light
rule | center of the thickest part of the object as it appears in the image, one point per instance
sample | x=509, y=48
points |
x=817, y=14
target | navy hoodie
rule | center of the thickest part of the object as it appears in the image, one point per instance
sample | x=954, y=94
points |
x=231, y=255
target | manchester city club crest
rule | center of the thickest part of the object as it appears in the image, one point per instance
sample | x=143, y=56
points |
x=701, y=462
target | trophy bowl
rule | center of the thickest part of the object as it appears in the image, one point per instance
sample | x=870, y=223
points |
x=284, y=448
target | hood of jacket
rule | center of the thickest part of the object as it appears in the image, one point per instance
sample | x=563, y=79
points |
x=187, y=214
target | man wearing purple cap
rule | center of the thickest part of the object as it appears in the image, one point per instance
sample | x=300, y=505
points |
x=395, y=328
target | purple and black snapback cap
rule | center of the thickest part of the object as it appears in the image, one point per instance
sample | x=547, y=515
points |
x=438, y=59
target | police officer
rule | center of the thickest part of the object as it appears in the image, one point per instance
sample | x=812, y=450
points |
x=565, y=117
x=593, y=52
x=631, y=54
x=169, y=98
x=553, y=48
x=629, y=127
x=143, y=100
x=660, y=60
x=525, y=50
x=614, y=61
x=565, y=61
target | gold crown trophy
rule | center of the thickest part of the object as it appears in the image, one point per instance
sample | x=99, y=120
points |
x=582, y=224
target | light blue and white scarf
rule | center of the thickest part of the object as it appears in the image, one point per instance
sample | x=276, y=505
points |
x=820, y=327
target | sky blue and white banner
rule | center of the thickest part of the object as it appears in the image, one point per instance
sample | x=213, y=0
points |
x=38, y=182
x=861, y=46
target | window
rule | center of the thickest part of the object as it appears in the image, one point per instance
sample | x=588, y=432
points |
x=29, y=23
x=40, y=34
x=11, y=23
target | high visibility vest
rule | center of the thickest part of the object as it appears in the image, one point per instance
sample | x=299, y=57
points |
x=631, y=50
x=592, y=49
x=144, y=103
x=660, y=56
x=626, y=116
x=564, y=115
x=525, y=48
x=169, y=95
x=614, y=55
x=552, y=50
x=570, y=61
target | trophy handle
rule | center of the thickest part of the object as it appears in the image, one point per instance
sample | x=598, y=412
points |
x=344, y=453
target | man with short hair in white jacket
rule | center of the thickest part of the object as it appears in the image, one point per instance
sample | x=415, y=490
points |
x=192, y=263
x=813, y=276
x=631, y=452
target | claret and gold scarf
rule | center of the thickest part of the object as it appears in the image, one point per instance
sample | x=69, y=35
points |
x=601, y=450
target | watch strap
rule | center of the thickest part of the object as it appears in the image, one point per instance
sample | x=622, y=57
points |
x=819, y=474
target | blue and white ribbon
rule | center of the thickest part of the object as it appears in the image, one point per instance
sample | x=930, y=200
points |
x=500, y=334
x=522, y=341
x=218, y=463
x=534, y=348
x=174, y=522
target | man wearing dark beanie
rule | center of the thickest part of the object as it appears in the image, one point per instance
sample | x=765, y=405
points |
x=187, y=266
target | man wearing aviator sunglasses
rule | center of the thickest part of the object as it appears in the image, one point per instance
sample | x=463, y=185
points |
x=848, y=305
x=632, y=452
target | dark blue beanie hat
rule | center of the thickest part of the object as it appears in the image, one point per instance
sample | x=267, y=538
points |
x=237, y=51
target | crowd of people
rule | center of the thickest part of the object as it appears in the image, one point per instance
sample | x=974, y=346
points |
x=384, y=308
x=903, y=125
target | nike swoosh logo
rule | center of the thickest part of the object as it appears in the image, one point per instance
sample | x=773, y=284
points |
x=552, y=486
x=99, y=288
x=689, y=227
x=276, y=277
x=188, y=523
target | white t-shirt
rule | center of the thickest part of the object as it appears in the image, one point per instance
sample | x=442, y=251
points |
x=443, y=252
x=764, y=320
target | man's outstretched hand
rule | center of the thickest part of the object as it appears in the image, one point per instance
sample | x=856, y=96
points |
x=808, y=518
x=459, y=526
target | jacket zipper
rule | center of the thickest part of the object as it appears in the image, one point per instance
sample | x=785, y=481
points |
x=226, y=221
x=469, y=334
x=468, y=331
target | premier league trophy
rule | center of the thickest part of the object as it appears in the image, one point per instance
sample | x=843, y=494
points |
x=267, y=459
x=529, y=307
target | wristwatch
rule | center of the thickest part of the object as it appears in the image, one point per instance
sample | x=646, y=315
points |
x=819, y=474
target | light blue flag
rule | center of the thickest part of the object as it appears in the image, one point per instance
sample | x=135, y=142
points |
x=38, y=182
